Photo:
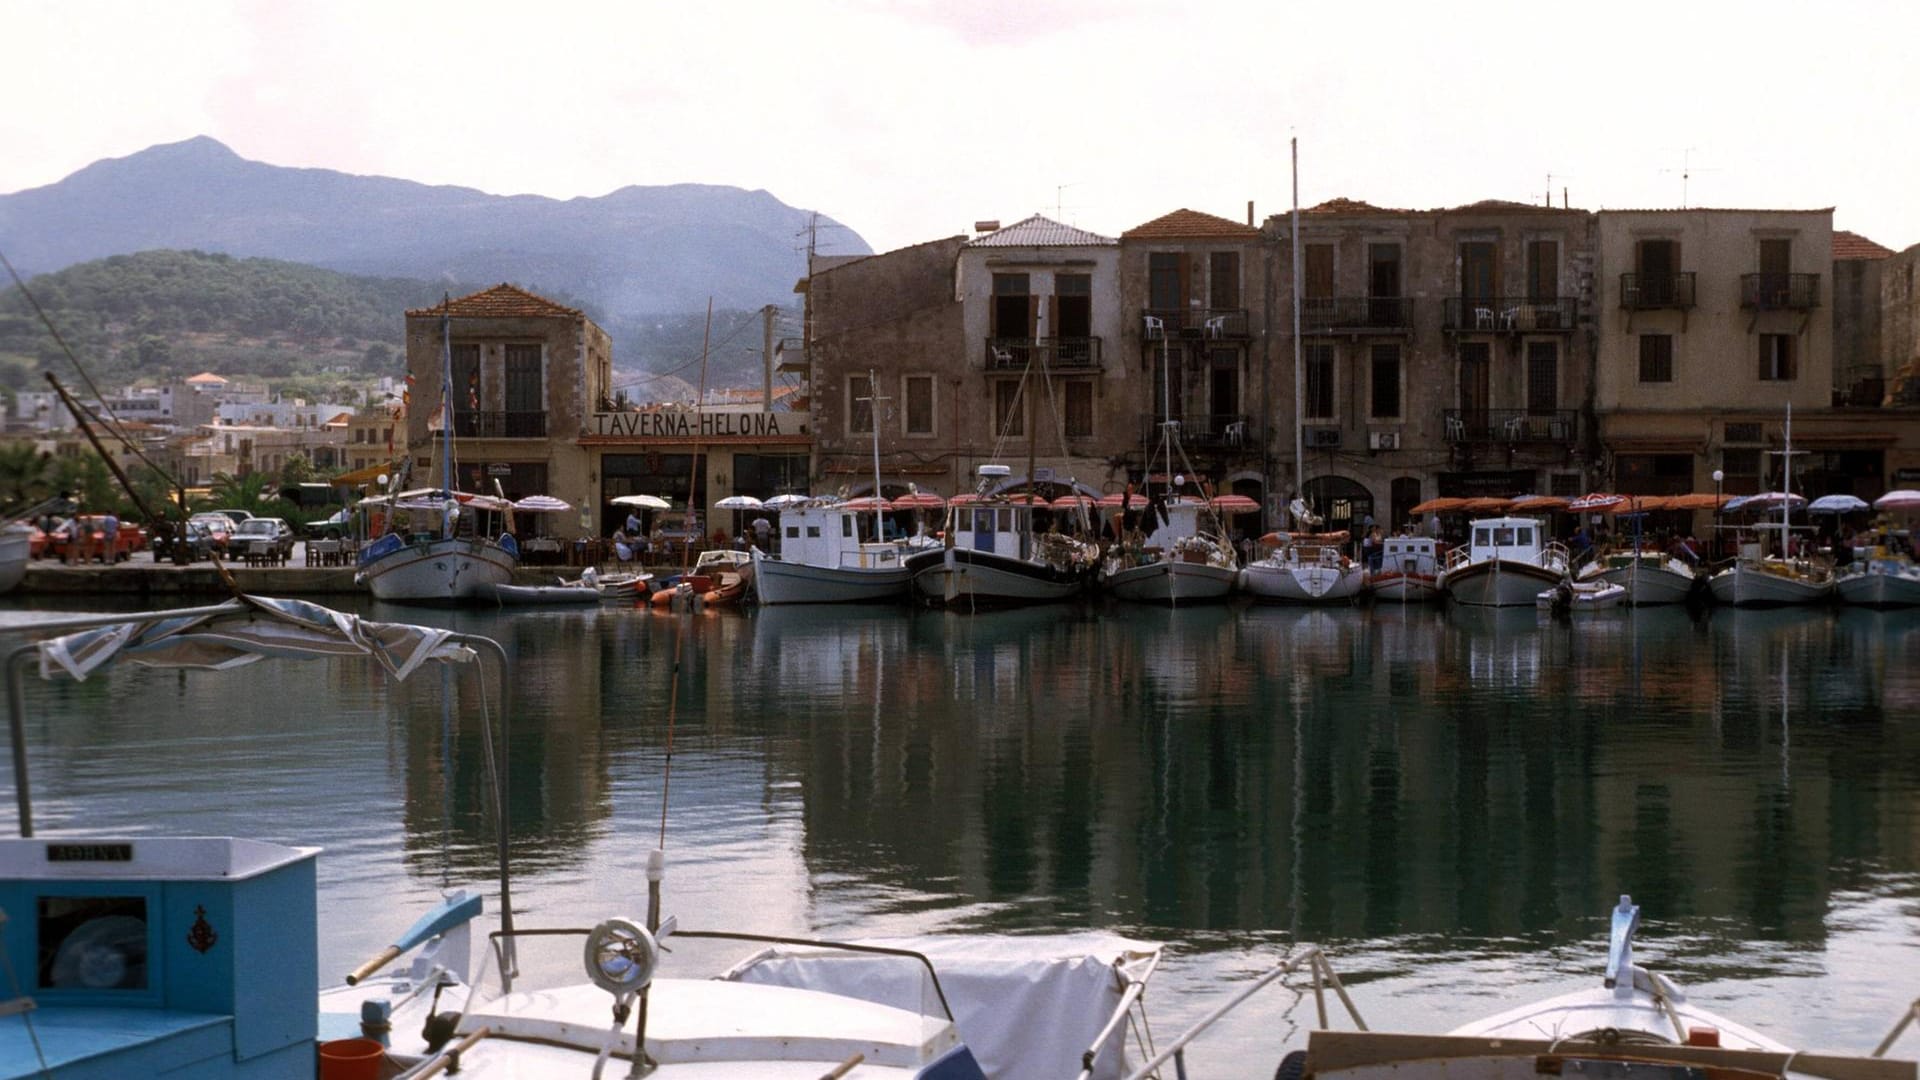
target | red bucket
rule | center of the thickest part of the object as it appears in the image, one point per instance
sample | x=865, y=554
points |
x=351, y=1059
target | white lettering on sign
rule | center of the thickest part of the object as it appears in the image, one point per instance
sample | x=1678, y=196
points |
x=699, y=425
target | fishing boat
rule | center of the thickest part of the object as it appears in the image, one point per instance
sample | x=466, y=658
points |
x=439, y=545
x=1572, y=597
x=991, y=554
x=1182, y=560
x=616, y=587
x=1649, y=577
x=435, y=544
x=1305, y=568
x=16, y=545
x=544, y=595
x=1766, y=573
x=828, y=557
x=1882, y=579
x=718, y=576
x=1409, y=571
x=1506, y=563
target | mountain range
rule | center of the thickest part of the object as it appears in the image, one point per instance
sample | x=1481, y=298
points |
x=631, y=256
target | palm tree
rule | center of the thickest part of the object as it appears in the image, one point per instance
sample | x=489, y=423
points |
x=28, y=474
x=252, y=493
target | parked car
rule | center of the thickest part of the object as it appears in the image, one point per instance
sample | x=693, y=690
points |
x=235, y=516
x=128, y=539
x=193, y=536
x=219, y=527
x=332, y=527
x=275, y=531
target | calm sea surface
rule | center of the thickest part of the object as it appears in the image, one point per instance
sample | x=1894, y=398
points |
x=1448, y=801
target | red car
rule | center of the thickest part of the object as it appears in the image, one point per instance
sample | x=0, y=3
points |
x=36, y=542
x=128, y=539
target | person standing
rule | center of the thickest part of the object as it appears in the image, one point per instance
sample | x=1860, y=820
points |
x=110, y=532
x=762, y=533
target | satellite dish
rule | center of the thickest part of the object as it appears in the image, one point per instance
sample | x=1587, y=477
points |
x=621, y=957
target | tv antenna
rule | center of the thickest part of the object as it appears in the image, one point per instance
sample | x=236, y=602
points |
x=1059, y=200
x=1563, y=190
x=1687, y=169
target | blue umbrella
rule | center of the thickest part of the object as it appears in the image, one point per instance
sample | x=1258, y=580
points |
x=1836, y=504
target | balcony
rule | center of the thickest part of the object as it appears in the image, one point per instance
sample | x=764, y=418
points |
x=500, y=425
x=1200, y=322
x=1205, y=431
x=1780, y=292
x=1508, y=315
x=1057, y=354
x=1655, y=292
x=1356, y=315
x=1864, y=392
x=1512, y=426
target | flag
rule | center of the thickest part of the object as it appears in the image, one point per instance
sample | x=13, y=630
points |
x=473, y=392
x=437, y=420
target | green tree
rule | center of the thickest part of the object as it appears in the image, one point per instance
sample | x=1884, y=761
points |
x=253, y=493
x=297, y=470
x=26, y=474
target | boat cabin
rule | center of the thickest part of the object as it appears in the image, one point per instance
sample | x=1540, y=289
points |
x=150, y=956
x=430, y=514
x=992, y=525
x=1520, y=539
x=829, y=534
x=1421, y=553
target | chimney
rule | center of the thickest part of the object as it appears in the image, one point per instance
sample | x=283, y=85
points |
x=1249, y=211
x=990, y=225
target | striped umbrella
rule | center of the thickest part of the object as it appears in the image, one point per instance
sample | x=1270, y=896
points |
x=1598, y=500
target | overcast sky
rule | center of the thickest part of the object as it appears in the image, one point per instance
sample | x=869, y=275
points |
x=911, y=120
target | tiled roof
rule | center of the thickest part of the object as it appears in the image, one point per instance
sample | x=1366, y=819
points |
x=1851, y=245
x=503, y=301
x=1186, y=224
x=1038, y=231
x=1713, y=210
x=206, y=377
x=1349, y=206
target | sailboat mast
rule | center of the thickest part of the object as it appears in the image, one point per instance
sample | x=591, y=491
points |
x=873, y=412
x=446, y=403
x=1299, y=373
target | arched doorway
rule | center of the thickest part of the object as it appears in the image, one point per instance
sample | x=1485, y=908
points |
x=1342, y=502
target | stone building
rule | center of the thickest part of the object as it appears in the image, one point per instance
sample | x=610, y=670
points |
x=1194, y=303
x=1859, y=379
x=1442, y=353
x=526, y=376
x=1900, y=329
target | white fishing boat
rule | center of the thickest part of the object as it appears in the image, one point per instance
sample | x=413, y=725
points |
x=1182, y=560
x=1881, y=580
x=544, y=595
x=435, y=545
x=1766, y=573
x=1581, y=597
x=1506, y=563
x=991, y=555
x=1305, y=568
x=1409, y=571
x=1649, y=577
x=830, y=553
x=15, y=546
x=617, y=587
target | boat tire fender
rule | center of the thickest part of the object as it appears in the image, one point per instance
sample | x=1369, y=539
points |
x=1292, y=1067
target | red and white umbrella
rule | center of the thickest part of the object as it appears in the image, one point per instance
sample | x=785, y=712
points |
x=1073, y=501
x=1235, y=504
x=1598, y=500
x=919, y=500
x=1121, y=499
x=866, y=503
x=1904, y=499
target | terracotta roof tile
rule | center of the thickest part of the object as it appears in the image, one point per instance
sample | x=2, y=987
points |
x=503, y=301
x=1184, y=224
x=1851, y=245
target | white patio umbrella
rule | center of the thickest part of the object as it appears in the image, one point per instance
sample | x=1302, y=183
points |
x=1836, y=504
x=644, y=502
x=784, y=502
x=737, y=503
x=542, y=504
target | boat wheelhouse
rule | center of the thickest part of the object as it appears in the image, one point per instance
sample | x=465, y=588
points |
x=1506, y=562
x=830, y=554
x=1409, y=570
x=1180, y=561
x=991, y=554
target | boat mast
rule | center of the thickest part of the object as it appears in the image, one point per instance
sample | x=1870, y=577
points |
x=1299, y=373
x=874, y=399
x=446, y=411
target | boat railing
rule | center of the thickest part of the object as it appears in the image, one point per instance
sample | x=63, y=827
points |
x=1557, y=551
x=1308, y=958
x=1457, y=558
x=1912, y=1015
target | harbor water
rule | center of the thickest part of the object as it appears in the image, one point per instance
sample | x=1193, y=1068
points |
x=1448, y=801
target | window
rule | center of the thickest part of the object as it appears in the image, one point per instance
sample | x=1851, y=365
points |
x=1656, y=358
x=1543, y=376
x=1776, y=357
x=1319, y=374
x=466, y=379
x=1009, y=411
x=1073, y=305
x=1742, y=432
x=1543, y=271
x=523, y=379
x=1659, y=264
x=1477, y=278
x=1079, y=408
x=1012, y=307
x=859, y=405
x=1776, y=257
x=1223, y=279
x=919, y=394
x=1564, y=484
x=1383, y=270
x=1385, y=382
x=1166, y=284
x=1223, y=387
x=1318, y=282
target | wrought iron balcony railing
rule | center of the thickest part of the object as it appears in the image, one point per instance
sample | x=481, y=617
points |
x=1651, y=292
x=1780, y=292
x=1195, y=322
x=1204, y=431
x=500, y=425
x=1355, y=314
x=1508, y=314
x=1558, y=427
x=1058, y=353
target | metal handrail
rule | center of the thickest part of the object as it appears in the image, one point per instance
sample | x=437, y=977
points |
x=1136, y=988
x=1310, y=956
x=1912, y=1014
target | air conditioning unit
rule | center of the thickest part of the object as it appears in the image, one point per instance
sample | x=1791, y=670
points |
x=1323, y=436
x=1383, y=440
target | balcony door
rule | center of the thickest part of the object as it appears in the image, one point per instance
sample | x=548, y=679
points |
x=1479, y=274
x=1224, y=390
x=1383, y=285
x=1543, y=271
x=524, y=402
x=1658, y=262
x=1476, y=382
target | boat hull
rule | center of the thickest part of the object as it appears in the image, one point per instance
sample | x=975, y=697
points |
x=16, y=545
x=1650, y=584
x=1171, y=582
x=1310, y=584
x=961, y=577
x=779, y=582
x=1498, y=583
x=1743, y=586
x=1876, y=588
x=1403, y=587
x=439, y=571
x=1583, y=597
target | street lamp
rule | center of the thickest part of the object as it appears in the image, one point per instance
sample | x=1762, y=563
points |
x=1718, y=476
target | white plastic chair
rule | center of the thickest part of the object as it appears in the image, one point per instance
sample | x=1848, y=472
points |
x=1483, y=318
x=1456, y=429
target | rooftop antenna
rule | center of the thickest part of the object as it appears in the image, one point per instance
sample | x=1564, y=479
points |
x=1563, y=189
x=1687, y=169
x=1059, y=201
